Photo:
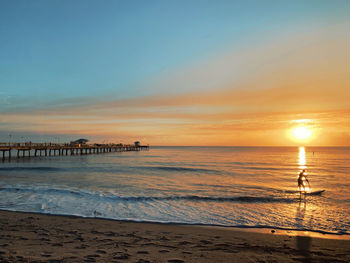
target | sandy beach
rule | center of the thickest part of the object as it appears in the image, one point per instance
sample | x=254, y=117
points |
x=27, y=237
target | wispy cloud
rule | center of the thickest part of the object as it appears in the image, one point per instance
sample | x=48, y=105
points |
x=246, y=97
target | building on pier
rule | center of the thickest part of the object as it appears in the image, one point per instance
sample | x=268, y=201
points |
x=79, y=142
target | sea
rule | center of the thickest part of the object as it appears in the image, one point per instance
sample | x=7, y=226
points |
x=221, y=186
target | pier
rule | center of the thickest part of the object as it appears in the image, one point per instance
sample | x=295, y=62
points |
x=29, y=149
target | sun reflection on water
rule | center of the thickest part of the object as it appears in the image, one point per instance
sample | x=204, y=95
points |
x=302, y=158
x=302, y=166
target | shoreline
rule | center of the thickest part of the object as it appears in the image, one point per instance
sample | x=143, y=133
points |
x=35, y=237
x=257, y=229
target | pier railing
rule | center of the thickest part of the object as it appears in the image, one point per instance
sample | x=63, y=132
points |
x=29, y=149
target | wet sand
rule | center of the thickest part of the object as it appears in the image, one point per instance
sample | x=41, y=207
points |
x=27, y=237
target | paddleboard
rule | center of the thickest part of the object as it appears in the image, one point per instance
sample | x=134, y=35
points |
x=315, y=192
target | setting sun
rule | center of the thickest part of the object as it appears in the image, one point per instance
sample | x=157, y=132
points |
x=301, y=133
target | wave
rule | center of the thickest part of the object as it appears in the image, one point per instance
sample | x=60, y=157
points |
x=241, y=199
x=179, y=169
x=330, y=234
x=263, y=168
x=48, y=169
x=116, y=198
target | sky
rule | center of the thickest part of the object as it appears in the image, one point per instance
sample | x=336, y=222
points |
x=194, y=72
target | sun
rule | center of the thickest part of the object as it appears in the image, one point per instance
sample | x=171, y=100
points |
x=301, y=133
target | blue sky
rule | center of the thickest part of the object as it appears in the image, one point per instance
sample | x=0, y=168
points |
x=70, y=48
x=75, y=52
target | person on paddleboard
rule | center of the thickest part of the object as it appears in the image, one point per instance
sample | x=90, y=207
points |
x=301, y=181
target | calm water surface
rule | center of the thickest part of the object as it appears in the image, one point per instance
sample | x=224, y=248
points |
x=229, y=186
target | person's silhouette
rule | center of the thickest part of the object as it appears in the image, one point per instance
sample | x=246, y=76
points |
x=301, y=181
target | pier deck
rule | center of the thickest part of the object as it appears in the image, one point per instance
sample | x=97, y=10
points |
x=52, y=149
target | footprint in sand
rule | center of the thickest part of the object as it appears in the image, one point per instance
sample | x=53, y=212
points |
x=206, y=242
x=57, y=245
x=121, y=256
x=175, y=260
x=184, y=243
